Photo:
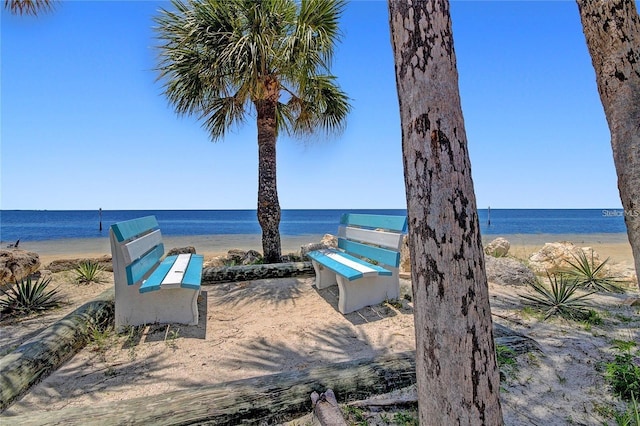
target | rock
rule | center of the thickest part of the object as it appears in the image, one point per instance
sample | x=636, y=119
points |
x=17, y=264
x=70, y=264
x=632, y=301
x=405, y=259
x=181, y=250
x=215, y=262
x=498, y=247
x=552, y=257
x=241, y=257
x=508, y=271
x=328, y=241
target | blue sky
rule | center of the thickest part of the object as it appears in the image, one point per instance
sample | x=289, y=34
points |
x=85, y=124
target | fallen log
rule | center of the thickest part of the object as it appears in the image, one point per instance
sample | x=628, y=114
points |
x=37, y=357
x=228, y=274
x=267, y=399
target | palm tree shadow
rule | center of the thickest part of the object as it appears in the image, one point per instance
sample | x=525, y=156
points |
x=319, y=347
x=277, y=291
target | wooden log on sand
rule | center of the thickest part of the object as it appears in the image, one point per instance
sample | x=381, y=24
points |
x=268, y=399
x=36, y=358
x=227, y=274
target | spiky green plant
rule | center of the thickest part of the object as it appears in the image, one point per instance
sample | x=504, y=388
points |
x=590, y=275
x=27, y=296
x=88, y=272
x=623, y=373
x=560, y=299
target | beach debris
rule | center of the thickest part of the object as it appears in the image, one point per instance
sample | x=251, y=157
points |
x=555, y=257
x=508, y=271
x=326, y=410
x=17, y=264
x=499, y=247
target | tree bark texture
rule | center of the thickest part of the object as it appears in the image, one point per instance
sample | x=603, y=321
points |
x=458, y=379
x=268, y=204
x=229, y=274
x=265, y=400
x=612, y=32
x=35, y=359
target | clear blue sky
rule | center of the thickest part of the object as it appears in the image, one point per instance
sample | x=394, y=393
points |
x=85, y=124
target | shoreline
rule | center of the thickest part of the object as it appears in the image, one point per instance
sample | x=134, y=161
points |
x=614, y=245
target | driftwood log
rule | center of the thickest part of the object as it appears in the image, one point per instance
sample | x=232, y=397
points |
x=227, y=274
x=326, y=411
x=36, y=358
x=268, y=399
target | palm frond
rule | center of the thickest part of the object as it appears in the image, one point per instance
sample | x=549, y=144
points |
x=29, y=7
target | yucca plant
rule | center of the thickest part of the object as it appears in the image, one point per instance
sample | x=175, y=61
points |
x=561, y=299
x=88, y=272
x=589, y=275
x=28, y=296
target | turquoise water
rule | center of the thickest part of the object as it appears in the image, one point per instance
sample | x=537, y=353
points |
x=30, y=225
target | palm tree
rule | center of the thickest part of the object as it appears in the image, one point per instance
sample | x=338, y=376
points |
x=29, y=7
x=227, y=59
x=612, y=31
x=457, y=375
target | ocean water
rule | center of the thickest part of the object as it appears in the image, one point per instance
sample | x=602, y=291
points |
x=31, y=225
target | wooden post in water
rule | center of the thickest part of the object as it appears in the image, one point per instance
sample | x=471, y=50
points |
x=100, y=214
x=489, y=216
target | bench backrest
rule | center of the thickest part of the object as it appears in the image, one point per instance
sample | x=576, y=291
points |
x=375, y=237
x=136, y=247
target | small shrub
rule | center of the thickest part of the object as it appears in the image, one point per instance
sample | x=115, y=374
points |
x=631, y=417
x=28, y=296
x=589, y=275
x=561, y=299
x=623, y=373
x=88, y=272
x=506, y=358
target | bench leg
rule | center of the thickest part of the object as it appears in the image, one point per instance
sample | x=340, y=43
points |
x=366, y=291
x=324, y=277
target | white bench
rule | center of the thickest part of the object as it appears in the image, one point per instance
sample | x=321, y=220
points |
x=365, y=265
x=147, y=289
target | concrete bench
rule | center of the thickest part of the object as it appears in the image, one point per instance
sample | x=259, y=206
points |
x=365, y=264
x=147, y=289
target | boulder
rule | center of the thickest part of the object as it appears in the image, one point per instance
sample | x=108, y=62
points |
x=241, y=257
x=181, y=250
x=70, y=264
x=17, y=264
x=328, y=241
x=553, y=257
x=508, y=271
x=498, y=247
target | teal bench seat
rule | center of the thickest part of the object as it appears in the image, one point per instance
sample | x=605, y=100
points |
x=365, y=264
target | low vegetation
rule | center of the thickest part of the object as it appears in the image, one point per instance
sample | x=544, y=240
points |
x=28, y=296
x=590, y=275
x=88, y=272
x=560, y=299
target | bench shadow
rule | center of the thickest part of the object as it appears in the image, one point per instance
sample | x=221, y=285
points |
x=171, y=332
x=367, y=314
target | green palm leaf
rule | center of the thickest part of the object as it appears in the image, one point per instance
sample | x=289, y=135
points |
x=589, y=275
x=559, y=299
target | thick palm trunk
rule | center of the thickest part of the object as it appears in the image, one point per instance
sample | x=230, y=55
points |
x=457, y=376
x=268, y=204
x=612, y=31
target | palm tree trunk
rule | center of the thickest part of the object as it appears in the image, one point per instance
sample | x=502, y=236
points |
x=268, y=204
x=612, y=31
x=457, y=375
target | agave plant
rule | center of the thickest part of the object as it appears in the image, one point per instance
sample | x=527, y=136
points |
x=560, y=299
x=28, y=296
x=88, y=272
x=589, y=275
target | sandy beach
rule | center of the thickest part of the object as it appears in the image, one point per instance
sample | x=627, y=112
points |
x=255, y=328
